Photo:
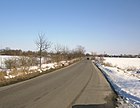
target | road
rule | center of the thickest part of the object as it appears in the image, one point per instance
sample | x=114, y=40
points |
x=80, y=85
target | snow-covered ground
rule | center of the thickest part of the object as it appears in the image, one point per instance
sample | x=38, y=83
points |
x=126, y=83
x=3, y=58
x=124, y=63
x=44, y=67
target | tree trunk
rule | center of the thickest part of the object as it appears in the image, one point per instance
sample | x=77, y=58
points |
x=40, y=54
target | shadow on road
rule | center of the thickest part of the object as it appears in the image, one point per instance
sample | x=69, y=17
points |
x=92, y=106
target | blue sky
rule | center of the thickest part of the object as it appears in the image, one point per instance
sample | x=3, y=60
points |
x=111, y=26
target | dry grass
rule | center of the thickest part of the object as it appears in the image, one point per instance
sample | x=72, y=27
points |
x=22, y=75
x=107, y=64
x=131, y=68
x=2, y=74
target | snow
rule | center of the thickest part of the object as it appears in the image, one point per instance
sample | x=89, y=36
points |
x=3, y=58
x=126, y=83
x=124, y=63
x=44, y=67
x=33, y=68
x=49, y=65
x=10, y=76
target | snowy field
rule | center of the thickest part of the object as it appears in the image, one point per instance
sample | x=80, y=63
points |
x=3, y=58
x=124, y=63
x=125, y=81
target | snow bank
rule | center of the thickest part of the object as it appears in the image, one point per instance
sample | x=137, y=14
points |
x=126, y=85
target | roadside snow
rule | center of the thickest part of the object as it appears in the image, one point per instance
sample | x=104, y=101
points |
x=32, y=69
x=44, y=67
x=126, y=83
x=126, y=86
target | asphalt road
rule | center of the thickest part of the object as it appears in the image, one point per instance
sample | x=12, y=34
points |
x=81, y=85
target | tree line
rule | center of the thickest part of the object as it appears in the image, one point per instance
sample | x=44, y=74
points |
x=16, y=52
x=57, y=53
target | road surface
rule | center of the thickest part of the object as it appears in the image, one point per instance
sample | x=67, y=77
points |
x=81, y=85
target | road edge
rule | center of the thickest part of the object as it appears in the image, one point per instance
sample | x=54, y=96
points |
x=112, y=98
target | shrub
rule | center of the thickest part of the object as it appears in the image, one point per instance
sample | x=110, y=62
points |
x=108, y=64
x=2, y=74
x=131, y=68
x=11, y=63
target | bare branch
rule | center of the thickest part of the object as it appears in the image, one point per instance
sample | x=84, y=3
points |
x=42, y=44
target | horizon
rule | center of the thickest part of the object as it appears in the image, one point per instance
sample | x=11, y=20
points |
x=90, y=53
x=101, y=26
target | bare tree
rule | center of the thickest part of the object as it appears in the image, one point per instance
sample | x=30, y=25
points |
x=58, y=48
x=80, y=50
x=58, y=52
x=61, y=53
x=43, y=45
x=94, y=55
x=65, y=52
x=25, y=63
x=12, y=63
